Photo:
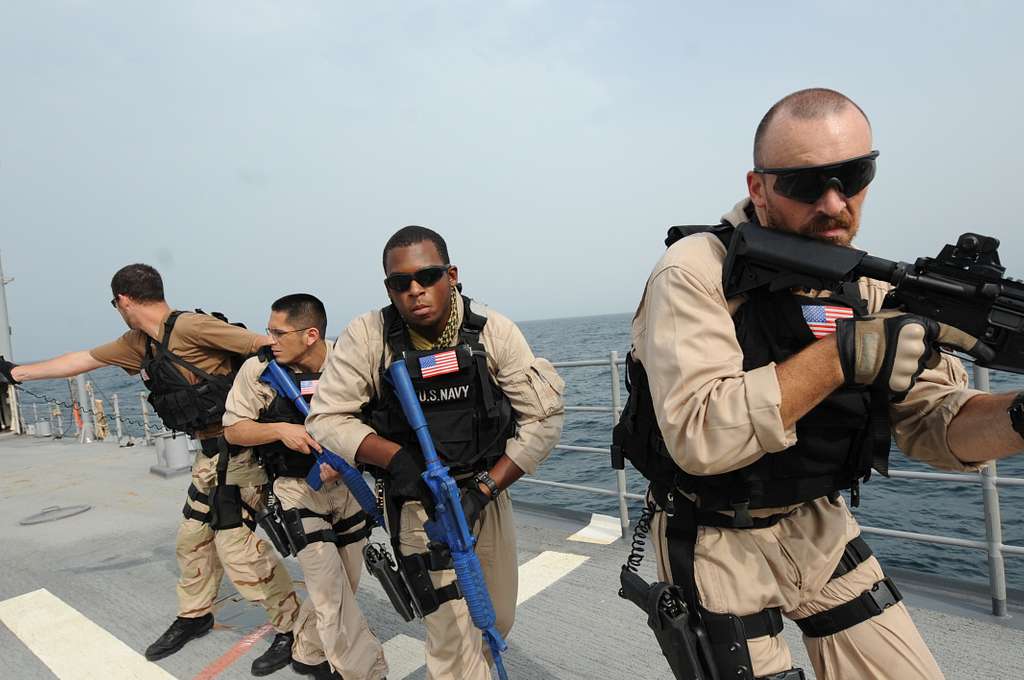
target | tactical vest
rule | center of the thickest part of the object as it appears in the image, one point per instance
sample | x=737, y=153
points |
x=838, y=441
x=279, y=460
x=181, y=405
x=469, y=417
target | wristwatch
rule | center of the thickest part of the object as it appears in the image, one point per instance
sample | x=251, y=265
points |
x=1016, y=412
x=488, y=481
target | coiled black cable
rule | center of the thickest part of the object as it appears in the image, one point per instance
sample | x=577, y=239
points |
x=641, y=532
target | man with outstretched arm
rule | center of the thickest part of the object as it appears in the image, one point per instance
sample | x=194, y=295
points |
x=334, y=640
x=494, y=409
x=186, y=360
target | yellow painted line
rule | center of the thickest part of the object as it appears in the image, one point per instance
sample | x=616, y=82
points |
x=603, y=530
x=543, y=570
x=70, y=645
x=405, y=654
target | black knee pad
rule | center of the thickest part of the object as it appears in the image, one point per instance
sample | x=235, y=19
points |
x=225, y=507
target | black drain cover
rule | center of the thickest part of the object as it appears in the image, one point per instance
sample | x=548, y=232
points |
x=53, y=513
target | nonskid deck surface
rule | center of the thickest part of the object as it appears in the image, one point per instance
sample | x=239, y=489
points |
x=82, y=597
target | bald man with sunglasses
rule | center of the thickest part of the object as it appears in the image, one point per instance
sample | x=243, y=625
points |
x=765, y=407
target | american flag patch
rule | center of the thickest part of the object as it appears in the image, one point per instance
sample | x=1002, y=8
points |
x=821, y=319
x=307, y=387
x=439, y=364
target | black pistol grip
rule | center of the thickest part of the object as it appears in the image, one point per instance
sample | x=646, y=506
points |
x=379, y=564
x=634, y=589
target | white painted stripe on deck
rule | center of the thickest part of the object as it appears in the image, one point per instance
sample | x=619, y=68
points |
x=70, y=645
x=603, y=529
x=543, y=570
x=404, y=655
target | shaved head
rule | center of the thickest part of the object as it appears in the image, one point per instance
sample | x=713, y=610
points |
x=812, y=104
x=809, y=128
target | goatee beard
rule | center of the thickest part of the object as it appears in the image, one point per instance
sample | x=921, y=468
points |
x=819, y=225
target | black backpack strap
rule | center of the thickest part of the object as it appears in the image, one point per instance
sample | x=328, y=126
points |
x=472, y=326
x=723, y=232
x=472, y=323
x=681, y=538
x=395, y=335
x=174, y=358
x=168, y=327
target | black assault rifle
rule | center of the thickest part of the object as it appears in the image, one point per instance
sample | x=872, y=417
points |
x=963, y=287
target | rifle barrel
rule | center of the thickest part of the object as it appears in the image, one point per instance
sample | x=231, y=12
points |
x=878, y=268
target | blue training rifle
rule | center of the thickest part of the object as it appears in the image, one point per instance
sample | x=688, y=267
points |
x=449, y=526
x=278, y=379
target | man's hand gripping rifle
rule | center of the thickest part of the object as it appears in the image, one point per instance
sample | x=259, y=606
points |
x=287, y=523
x=964, y=287
x=278, y=379
x=449, y=526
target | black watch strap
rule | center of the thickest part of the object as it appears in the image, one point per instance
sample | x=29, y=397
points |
x=1016, y=412
x=488, y=481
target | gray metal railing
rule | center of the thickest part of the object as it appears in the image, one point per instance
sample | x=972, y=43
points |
x=988, y=479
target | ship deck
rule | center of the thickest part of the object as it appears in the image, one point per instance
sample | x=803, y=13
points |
x=82, y=597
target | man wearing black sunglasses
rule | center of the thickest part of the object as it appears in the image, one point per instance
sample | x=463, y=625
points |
x=766, y=407
x=493, y=408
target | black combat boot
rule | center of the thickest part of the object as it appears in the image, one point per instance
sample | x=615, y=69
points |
x=175, y=637
x=321, y=671
x=276, y=657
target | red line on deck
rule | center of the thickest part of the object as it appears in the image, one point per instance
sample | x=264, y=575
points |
x=233, y=654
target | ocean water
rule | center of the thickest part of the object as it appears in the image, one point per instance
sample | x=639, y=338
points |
x=951, y=509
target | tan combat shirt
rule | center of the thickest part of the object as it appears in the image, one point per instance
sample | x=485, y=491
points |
x=352, y=379
x=249, y=395
x=716, y=417
x=200, y=339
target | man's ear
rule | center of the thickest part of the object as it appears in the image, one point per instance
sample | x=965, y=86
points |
x=756, y=189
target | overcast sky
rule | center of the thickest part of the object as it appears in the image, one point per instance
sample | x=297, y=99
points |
x=253, y=149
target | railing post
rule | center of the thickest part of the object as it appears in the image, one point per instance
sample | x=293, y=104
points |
x=117, y=419
x=87, y=435
x=993, y=519
x=620, y=475
x=994, y=538
x=145, y=420
x=35, y=413
x=59, y=413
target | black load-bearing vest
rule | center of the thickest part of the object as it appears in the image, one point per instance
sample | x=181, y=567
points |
x=181, y=405
x=469, y=417
x=838, y=441
x=279, y=460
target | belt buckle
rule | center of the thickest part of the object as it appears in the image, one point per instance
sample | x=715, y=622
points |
x=881, y=598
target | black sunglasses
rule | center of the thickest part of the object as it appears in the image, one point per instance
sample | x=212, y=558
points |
x=426, y=277
x=807, y=183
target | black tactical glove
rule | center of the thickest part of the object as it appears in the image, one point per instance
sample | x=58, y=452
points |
x=892, y=348
x=6, y=377
x=265, y=354
x=405, y=472
x=473, y=502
